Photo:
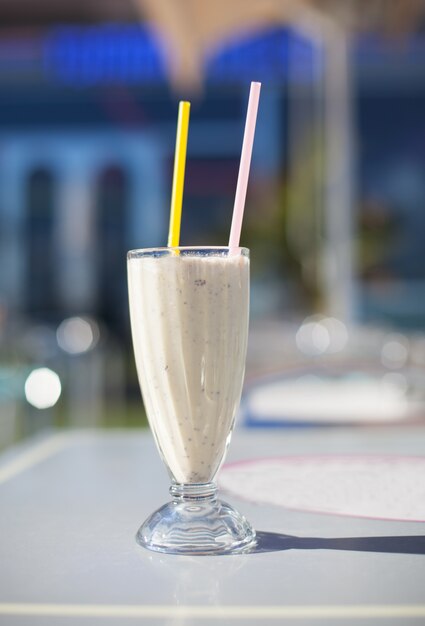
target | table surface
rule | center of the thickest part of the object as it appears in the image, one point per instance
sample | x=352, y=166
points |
x=70, y=504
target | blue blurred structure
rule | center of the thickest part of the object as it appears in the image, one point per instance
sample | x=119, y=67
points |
x=63, y=240
x=109, y=53
x=130, y=55
x=87, y=129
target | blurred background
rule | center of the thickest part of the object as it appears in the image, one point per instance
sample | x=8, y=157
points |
x=335, y=214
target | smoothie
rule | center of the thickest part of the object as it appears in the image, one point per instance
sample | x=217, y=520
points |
x=189, y=318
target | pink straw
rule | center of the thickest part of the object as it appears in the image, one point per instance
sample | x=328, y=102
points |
x=241, y=187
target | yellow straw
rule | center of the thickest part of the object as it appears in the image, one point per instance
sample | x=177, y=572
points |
x=178, y=175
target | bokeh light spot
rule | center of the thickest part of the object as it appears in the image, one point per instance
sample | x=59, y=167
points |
x=77, y=335
x=43, y=388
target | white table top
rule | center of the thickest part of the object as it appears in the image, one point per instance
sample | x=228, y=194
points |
x=70, y=505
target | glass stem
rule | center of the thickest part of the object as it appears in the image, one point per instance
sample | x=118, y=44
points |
x=193, y=492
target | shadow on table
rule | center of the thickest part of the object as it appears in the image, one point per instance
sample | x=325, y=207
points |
x=275, y=542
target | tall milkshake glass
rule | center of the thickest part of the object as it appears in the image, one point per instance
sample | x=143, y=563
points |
x=189, y=318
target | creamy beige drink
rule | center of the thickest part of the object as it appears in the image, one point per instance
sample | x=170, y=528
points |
x=189, y=318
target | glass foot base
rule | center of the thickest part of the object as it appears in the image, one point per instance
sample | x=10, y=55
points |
x=195, y=523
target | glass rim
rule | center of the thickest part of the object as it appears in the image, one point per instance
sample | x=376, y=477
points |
x=140, y=252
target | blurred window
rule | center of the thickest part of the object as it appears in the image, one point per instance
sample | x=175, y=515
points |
x=39, y=226
x=112, y=200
